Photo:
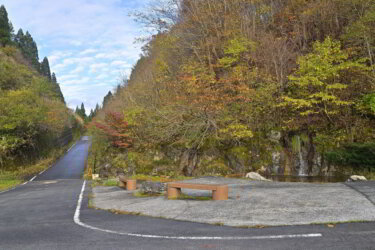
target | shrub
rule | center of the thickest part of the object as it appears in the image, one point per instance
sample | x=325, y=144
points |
x=354, y=155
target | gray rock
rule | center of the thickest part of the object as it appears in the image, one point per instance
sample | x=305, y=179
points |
x=150, y=187
x=356, y=178
x=256, y=176
x=107, y=166
x=103, y=173
x=189, y=161
x=120, y=172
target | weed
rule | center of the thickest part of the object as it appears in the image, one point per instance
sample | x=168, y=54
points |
x=144, y=195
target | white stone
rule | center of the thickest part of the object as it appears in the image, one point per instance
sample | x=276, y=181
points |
x=95, y=176
x=256, y=176
x=357, y=178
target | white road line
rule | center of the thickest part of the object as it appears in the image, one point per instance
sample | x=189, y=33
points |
x=7, y=190
x=80, y=223
x=71, y=147
x=34, y=176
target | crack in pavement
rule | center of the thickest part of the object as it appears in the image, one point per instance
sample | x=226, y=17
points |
x=360, y=192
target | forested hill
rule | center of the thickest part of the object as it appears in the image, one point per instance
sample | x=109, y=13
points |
x=229, y=86
x=32, y=107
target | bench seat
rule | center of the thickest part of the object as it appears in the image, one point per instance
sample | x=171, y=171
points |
x=219, y=192
x=127, y=184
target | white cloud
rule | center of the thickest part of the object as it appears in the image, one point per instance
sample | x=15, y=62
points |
x=77, y=70
x=96, y=66
x=102, y=76
x=123, y=64
x=76, y=81
x=63, y=78
x=86, y=38
x=88, y=51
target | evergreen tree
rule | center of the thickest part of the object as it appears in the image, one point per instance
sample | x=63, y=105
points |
x=96, y=110
x=91, y=116
x=19, y=39
x=83, y=112
x=28, y=48
x=59, y=92
x=45, y=69
x=107, y=98
x=5, y=27
x=53, y=78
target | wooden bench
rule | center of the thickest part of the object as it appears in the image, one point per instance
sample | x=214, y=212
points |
x=219, y=192
x=127, y=183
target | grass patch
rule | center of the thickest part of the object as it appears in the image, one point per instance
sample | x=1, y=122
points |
x=115, y=211
x=255, y=226
x=106, y=183
x=7, y=184
x=338, y=222
x=218, y=224
x=91, y=202
x=195, y=198
x=161, y=178
x=145, y=195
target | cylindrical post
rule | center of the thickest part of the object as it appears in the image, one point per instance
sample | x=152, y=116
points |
x=173, y=193
x=221, y=193
x=131, y=184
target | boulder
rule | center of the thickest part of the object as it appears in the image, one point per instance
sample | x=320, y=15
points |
x=149, y=187
x=120, y=172
x=104, y=173
x=189, y=161
x=256, y=176
x=356, y=178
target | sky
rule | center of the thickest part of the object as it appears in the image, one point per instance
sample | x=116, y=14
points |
x=90, y=44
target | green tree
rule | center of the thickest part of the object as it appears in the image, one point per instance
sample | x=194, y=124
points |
x=5, y=27
x=53, y=78
x=83, y=111
x=319, y=88
x=91, y=115
x=19, y=39
x=107, y=98
x=45, y=69
x=28, y=48
x=360, y=32
x=96, y=110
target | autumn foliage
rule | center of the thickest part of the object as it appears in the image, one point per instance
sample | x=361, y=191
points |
x=115, y=129
x=222, y=75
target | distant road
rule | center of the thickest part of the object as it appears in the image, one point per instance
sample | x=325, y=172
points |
x=39, y=215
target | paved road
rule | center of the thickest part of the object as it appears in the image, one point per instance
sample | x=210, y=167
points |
x=39, y=215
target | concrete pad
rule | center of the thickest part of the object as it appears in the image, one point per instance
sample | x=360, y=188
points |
x=250, y=203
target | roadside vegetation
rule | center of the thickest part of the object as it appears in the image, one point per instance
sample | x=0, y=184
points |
x=35, y=123
x=226, y=87
x=16, y=176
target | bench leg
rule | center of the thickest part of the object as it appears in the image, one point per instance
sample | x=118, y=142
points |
x=131, y=184
x=173, y=193
x=221, y=193
x=121, y=184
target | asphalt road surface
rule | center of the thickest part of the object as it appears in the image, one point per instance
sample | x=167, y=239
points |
x=51, y=212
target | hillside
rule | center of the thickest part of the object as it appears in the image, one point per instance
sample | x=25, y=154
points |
x=226, y=87
x=34, y=119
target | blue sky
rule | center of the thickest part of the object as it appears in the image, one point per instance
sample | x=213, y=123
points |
x=89, y=43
